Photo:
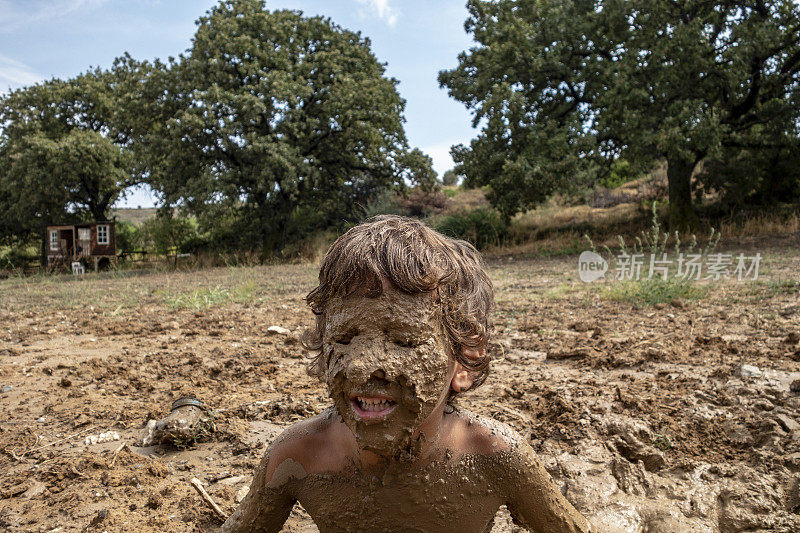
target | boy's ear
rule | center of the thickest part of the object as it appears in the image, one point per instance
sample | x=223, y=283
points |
x=463, y=378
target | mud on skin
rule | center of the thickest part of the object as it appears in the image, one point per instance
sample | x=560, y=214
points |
x=391, y=348
x=452, y=488
x=388, y=374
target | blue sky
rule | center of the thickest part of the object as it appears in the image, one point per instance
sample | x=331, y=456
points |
x=40, y=39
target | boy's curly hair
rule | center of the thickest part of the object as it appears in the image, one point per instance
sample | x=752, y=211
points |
x=416, y=259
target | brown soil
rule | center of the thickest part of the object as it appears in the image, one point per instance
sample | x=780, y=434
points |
x=641, y=415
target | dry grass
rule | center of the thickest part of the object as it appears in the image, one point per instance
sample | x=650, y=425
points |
x=762, y=224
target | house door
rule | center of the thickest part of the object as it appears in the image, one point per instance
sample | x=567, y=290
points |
x=84, y=248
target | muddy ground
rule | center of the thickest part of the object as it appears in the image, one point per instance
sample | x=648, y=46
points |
x=643, y=415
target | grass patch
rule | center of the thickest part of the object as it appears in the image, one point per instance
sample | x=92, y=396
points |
x=654, y=291
x=210, y=297
x=774, y=288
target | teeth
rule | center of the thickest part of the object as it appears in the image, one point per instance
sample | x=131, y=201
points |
x=373, y=404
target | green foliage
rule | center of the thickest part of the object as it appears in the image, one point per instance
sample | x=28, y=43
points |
x=168, y=234
x=64, y=156
x=129, y=237
x=450, y=178
x=621, y=172
x=757, y=176
x=562, y=87
x=385, y=203
x=279, y=115
x=16, y=258
x=481, y=227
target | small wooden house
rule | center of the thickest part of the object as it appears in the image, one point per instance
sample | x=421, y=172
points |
x=93, y=243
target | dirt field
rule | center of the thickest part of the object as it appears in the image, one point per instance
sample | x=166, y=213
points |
x=643, y=415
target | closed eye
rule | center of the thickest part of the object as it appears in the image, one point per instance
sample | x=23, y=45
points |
x=408, y=343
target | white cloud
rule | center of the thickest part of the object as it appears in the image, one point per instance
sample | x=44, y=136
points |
x=16, y=14
x=15, y=74
x=382, y=8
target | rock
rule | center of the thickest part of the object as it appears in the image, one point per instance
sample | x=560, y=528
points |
x=660, y=306
x=749, y=371
x=65, y=382
x=678, y=303
x=7, y=388
x=241, y=494
x=787, y=423
x=278, y=330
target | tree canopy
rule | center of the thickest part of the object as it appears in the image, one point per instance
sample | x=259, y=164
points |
x=563, y=88
x=61, y=155
x=283, y=120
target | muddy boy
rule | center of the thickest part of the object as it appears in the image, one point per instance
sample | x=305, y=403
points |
x=401, y=329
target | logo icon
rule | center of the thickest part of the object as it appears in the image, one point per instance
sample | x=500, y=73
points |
x=591, y=266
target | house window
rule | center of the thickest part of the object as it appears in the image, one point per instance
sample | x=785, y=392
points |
x=102, y=234
x=54, y=240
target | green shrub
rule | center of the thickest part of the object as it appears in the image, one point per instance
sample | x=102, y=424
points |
x=482, y=227
x=128, y=236
x=621, y=172
x=169, y=234
x=385, y=203
x=17, y=258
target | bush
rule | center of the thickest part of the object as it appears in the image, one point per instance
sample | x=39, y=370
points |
x=421, y=203
x=481, y=227
x=450, y=178
x=17, y=258
x=621, y=172
x=128, y=237
x=169, y=234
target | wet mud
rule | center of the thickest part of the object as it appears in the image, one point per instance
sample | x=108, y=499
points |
x=645, y=417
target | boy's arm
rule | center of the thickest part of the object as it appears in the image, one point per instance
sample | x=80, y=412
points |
x=534, y=499
x=269, y=502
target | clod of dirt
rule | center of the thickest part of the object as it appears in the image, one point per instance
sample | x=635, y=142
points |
x=183, y=427
x=749, y=371
x=278, y=330
x=100, y=516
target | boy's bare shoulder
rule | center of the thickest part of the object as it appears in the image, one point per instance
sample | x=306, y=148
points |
x=480, y=435
x=318, y=444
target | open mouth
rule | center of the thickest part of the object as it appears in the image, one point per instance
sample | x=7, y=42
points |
x=372, y=407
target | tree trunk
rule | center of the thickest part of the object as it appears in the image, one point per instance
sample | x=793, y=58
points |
x=681, y=213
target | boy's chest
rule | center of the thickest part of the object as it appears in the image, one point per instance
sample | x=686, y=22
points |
x=427, y=503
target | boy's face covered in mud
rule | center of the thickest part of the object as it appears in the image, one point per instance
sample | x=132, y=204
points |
x=388, y=367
